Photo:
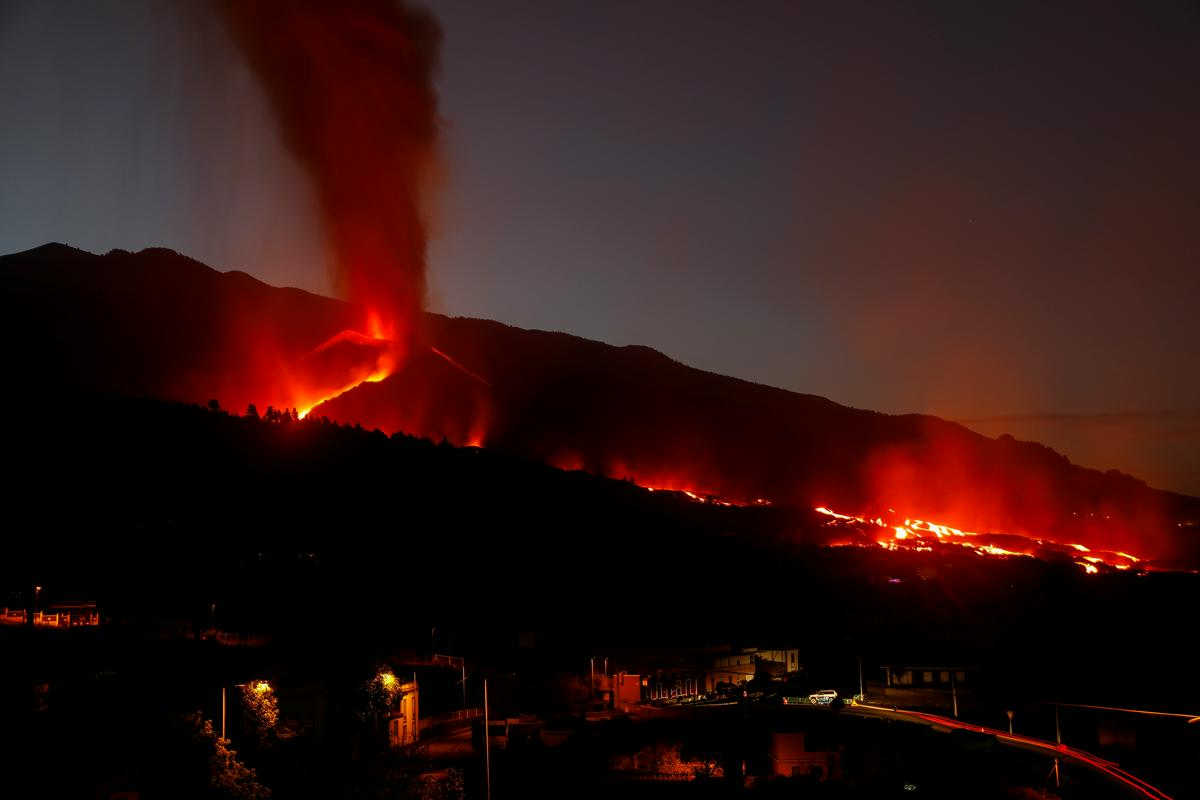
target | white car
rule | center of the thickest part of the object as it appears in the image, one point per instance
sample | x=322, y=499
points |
x=823, y=697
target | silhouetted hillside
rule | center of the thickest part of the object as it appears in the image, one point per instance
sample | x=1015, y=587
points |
x=334, y=535
x=159, y=324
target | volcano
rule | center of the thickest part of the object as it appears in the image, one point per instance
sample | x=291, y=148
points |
x=159, y=324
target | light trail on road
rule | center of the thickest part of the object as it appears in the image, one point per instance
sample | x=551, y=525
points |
x=1053, y=749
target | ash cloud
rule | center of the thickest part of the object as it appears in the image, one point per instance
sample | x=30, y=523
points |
x=351, y=88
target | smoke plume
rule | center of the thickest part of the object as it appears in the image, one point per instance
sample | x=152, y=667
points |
x=351, y=86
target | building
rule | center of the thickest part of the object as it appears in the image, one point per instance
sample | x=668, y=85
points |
x=943, y=687
x=743, y=665
x=402, y=719
x=685, y=675
x=791, y=759
x=66, y=614
x=626, y=690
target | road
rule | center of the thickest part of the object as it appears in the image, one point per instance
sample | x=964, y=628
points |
x=452, y=746
x=456, y=745
x=1052, y=749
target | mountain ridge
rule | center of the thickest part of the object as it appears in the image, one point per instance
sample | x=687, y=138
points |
x=158, y=323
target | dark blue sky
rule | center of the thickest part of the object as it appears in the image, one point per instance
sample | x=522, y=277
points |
x=987, y=212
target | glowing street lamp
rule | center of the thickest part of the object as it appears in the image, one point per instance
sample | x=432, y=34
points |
x=37, y=590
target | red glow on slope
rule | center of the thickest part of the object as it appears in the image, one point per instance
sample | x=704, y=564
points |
x=428, y=394
x=946, y=474
x=669, y=481
x=337, y=365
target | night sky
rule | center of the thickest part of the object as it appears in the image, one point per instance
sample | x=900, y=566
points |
x=988, y=212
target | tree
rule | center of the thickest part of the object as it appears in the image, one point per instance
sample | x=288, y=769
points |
x=378, y=693
x=261, y=720
x=251, y=411
x=227, y=776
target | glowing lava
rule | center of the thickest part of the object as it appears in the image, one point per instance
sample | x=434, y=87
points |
x=923, y=536
x=379, y=374
x=339, y=364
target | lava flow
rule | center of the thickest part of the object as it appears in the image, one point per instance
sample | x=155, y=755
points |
x=895, y=532
x=345, y=361
x=892, y=532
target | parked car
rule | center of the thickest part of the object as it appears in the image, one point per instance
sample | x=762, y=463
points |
x=823, y=697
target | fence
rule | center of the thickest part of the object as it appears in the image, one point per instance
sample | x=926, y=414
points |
x=451, y=719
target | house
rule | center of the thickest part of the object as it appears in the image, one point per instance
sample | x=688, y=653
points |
x=402, y=719
x=679, y=683
x=742, y=665
x=686, y=675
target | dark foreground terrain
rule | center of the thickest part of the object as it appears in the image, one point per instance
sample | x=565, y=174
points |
x=329, y=550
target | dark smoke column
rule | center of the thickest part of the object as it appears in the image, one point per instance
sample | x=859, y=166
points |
x=351, y=84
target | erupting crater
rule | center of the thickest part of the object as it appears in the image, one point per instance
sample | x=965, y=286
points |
x=341, y=363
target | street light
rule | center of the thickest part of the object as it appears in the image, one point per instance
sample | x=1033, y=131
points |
x=37, y=590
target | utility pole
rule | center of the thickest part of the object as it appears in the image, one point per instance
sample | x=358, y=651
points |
x=487, y=746
x=861, y=694
x=954, y=692
x=1057, y=738
x=236, y=686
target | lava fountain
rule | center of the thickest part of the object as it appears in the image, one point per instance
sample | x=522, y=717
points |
x=351, y=87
